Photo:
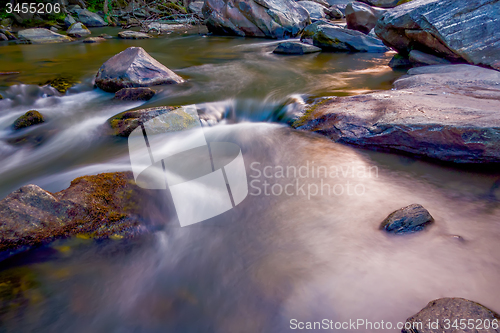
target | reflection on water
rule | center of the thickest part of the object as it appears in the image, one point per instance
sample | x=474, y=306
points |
x=293, y=253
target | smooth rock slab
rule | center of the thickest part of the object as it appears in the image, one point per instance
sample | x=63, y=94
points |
x=456, y=30
x=450, y=113
x=333, y=37
x=419, y=58
x=255, y=18
x=131, y=68
x=295, y=48
x=129, y=34
x=362, y=17
x=78, y=30
x=42, y=36
x=406, y=220
x=445, y=311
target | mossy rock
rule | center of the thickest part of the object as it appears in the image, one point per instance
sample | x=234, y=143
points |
x=309, y=111
x=30, y=118
x=124, y=123
x=62, y=83
x=135, y=94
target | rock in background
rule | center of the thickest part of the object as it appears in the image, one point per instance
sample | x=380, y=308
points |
x=361, y=17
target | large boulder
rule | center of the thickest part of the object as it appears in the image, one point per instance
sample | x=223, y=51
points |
x=444, y=315
x=332, y=37
x=90, y=19
x=315, y=10
x=196, y=7
x=406, y=220
x=447, y=112
x=133, y=67
x=383, y=3
x=456, y=30
x=361, y=17
x=255, y=18
x=103, y=206
x=78, y=30
x=295, y=48
x=42, y=36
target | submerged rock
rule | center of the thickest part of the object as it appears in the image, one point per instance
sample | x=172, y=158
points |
x=295, y=48
x=90, y=40
x=443, y=312
x=447, y=112
x=91, y=19
x=78, y=30
x=124, y=123
x=103, y=205
x=129, y=34
x=406, y=220
x=135, y=94
x=30, y=118
x=41, y=36
x=255, y=18
x=133, y=67
x=455, y=30
x=62, y=83
x=361, y=17
x=333, y=37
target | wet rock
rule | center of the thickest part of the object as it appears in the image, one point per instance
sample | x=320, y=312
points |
x=30, y=118
x=332, y=37
x=382, y=3
x=315, y=10
x=362, y=17
x=105, y=36
x=78, y=30
x=444, y=312
x=124, y=123
x=196, y=7
x=90, y=19
x=102, y=206
x=334, y=13
x=42, y=36
x=62, y=83
x=406, y=220
x=135, y=94
x=295, y=48
x=448, y=112
x=129, y=34
x=3, y=37
x=255, y=18
x=69, y=20
x=131, y=68
x=419, y=58
x=456, y=30
x=399, y=61
x=90, y=40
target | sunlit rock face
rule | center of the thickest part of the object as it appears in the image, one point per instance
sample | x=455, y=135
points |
x=456, y=30
x=255, y=18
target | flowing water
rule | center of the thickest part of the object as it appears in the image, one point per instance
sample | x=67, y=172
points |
x=303, y=245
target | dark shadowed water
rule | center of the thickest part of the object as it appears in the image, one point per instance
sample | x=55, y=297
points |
x=302, y=245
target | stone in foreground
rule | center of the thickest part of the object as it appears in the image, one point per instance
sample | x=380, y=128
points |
x=295, y=48
x=124, y=123
x=255, y=18
x=135, y=94
x=407, y=220
x=456, y=30
x=449, y=112
x=28, y=119
x=362, y=17
x=129, y=34
x=91, y=19
x=132, y=68
x=446, y=311
x=78, y=30
x=333, y=37
x=42, y=36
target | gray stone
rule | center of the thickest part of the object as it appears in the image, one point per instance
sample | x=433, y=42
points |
x=74, y=9
x=446, y=112
x=40, y=35
x=295, y=48
x=332, y=37
x=131, y=68
x=54, y=29
x=78, y=30
x=445, y=311
x=419, y=58
x=196, y=7
x=255, y=18
x=130, y=34
x=69, y=20
x=91, y=19
x=406, y=220
x=124, y=123
x=362, y=17
x=334, y=13
x=382, y=3
x=456, y=30
x=315, y=10
x=90, y=40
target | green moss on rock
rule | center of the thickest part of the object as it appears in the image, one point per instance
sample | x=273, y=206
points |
x=30, y=118
x=62, y=83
